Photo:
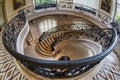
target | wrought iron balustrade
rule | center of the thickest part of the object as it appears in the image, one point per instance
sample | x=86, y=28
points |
x=66, y=27
x=13, y=29
x=102, y=36
x=61, y=68
x=104, y=18
x=44, y=6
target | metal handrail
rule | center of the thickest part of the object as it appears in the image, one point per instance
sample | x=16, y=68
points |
x=65, y=27
x=54, y=69
x=103, y=17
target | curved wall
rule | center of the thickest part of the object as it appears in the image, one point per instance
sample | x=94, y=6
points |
x=10, y=12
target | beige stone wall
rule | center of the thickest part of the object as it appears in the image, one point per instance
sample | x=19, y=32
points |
x=9, y=10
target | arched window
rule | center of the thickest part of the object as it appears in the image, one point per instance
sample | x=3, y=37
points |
x=47, y=24
x=92, y=3
x=39, y=2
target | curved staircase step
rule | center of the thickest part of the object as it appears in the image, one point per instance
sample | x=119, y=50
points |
x=41, y=48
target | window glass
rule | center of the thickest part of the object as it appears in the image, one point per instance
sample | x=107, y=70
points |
x=92, y=3
x=47, y=24
x=118, y=1
x=39, y=2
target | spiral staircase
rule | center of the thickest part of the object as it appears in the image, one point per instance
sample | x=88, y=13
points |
x=66, y=52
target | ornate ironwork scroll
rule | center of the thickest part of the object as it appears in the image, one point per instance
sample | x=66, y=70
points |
x=61, y=68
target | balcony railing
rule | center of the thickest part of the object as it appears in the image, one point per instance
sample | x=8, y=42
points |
x=104, y=18
x=61, y=68
x=101, y=36
x=66, y=27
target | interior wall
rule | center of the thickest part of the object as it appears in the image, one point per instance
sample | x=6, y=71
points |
x=9, y=9
x=10, y=12
x=96, y=4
